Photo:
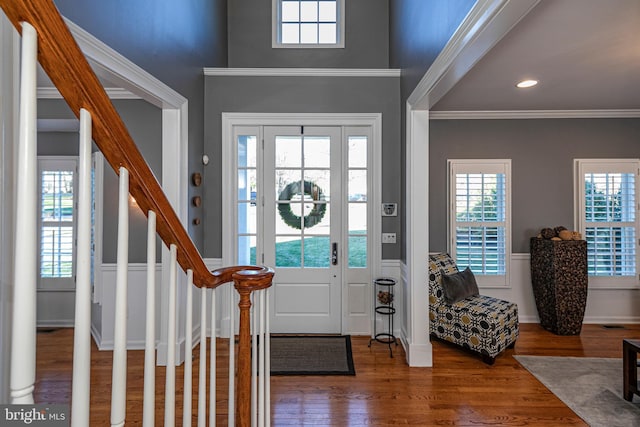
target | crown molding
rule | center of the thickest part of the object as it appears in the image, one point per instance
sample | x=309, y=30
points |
x=302, y=72
x=533, y=114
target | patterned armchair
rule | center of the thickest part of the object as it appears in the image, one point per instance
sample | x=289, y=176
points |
x=480, y=323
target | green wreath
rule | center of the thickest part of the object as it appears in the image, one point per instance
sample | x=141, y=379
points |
x=316, y=214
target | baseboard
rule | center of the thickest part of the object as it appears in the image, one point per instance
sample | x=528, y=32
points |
x=65, y=323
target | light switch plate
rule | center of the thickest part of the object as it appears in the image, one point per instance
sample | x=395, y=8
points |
x=388, y=237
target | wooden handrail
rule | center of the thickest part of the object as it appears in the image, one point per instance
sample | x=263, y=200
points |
x=61, y=58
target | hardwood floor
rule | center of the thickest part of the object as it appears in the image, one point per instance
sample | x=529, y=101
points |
x=460, y=390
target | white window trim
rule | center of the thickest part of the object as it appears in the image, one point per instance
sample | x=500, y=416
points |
x=580, y=166
x=481, y=166
x=275, y=29
x=65, y=283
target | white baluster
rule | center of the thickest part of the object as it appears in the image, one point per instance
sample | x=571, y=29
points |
x=188, y=357
x=202, y=373
x=119, y=372
x=170, y=380
x=23, y=338
x=149, y=404
x=212, y=363
x=80, y=400
x=232, y=356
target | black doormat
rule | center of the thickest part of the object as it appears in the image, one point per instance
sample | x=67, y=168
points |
x=311, y=355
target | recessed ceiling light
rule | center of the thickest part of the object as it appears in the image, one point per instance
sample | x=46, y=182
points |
x=526, y=83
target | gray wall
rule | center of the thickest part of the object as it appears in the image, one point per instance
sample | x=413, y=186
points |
x=542, y=153
x=366, y=38
x=144, y=122
x=299, y=95
x=173, y=41
x=418, y=30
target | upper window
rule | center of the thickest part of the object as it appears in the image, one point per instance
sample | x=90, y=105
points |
x=606, y=215
x=479, y=218
x=308, y=23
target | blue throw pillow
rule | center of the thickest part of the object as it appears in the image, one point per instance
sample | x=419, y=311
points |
x=459, y=286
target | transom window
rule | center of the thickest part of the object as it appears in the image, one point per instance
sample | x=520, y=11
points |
x=479, y=232
x=607, y=218
x=308, y=23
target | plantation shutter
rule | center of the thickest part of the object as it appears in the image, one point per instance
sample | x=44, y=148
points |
x=479, y=232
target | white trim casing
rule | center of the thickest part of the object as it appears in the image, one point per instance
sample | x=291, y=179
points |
x=582, y=166
x=485, y=166
x=229, y=120
x=9, y=104
x=533, y=114
x=302, y=72
x=275, y=26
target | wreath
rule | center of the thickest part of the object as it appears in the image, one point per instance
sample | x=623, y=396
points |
x=310, y=189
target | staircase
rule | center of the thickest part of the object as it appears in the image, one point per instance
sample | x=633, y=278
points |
x=47, y=40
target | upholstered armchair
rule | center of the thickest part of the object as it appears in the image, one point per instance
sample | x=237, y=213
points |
x=479, y=323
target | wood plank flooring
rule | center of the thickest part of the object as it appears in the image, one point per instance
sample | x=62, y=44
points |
x=460, y=390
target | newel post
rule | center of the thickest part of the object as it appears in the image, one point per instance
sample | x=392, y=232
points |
x=245, y=282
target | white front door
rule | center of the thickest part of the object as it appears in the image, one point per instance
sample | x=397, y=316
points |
x=303, y=227
x=303, y=206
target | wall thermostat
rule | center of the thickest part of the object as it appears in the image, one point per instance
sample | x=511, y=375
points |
x=389, y=209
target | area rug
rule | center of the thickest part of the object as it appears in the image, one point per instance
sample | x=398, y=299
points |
x=311, y=355
x=590, y=386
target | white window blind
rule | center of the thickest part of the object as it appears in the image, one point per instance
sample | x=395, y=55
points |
x=57, y=222
x=607, y=217
x=479, y=231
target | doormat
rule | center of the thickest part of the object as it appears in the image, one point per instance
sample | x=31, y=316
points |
x=311, y=355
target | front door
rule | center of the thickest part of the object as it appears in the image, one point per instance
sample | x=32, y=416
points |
x=302, y=206
x=302, y=234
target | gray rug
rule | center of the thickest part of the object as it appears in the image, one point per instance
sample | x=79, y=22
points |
x=590, y=386
x=311, y=355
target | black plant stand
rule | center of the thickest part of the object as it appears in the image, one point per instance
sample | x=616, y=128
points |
x=383, y=302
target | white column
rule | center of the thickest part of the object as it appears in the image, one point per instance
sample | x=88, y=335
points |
x=23, y=341
x=119, y=369
x=149, y=405
x=82, y=328
x=419, y=352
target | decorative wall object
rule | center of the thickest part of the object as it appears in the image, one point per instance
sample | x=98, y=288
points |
x=559, y=278
x=196, y=179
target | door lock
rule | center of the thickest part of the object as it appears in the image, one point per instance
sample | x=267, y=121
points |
x=334, y=253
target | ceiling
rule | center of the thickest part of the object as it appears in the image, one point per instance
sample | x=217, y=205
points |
x=585, y=54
